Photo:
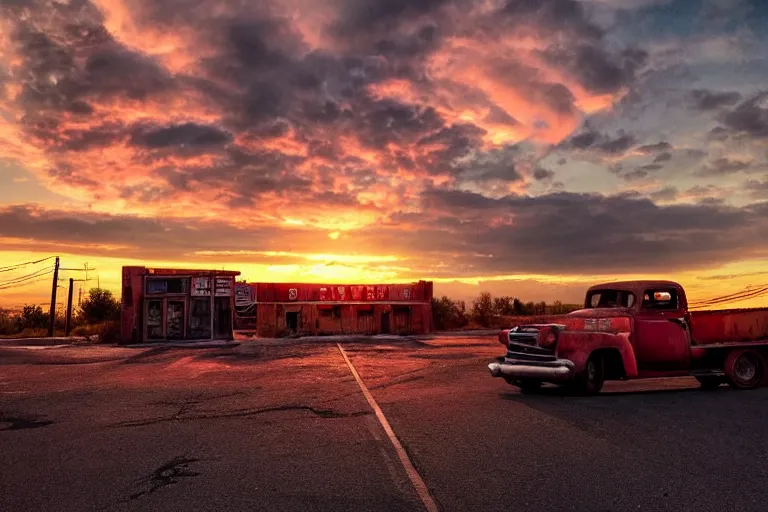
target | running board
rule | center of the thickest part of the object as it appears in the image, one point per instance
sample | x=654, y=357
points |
x=706, y=373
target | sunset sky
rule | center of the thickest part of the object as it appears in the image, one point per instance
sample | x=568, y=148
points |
x=523, y=147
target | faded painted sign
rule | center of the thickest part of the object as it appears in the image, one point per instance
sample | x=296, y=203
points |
x=293, y=294
x=201, y=287
x=223, y=286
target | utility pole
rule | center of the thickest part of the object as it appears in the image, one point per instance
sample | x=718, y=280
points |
x=68, y=321
x=52, y=319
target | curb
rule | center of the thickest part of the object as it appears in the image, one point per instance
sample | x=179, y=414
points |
x=181, y=345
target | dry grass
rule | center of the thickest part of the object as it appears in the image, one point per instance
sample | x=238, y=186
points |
x=107, y=332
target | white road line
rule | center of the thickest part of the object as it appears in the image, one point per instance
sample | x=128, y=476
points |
x=413, y=475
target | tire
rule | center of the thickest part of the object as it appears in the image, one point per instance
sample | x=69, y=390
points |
x=526, y=385
x=744, y=369
x=590, y=382
x=710, y=382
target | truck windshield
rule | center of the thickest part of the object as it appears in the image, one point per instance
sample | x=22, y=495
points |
x=610, y=299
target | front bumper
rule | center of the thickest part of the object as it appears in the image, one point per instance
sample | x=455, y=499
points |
x=558, y=370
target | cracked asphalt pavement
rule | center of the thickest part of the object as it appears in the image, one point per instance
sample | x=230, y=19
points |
x=284, y=426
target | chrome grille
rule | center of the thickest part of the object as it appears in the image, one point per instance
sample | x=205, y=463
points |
x=522, y=345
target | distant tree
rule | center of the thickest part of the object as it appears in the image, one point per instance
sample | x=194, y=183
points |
x=528, y=309
x=99, y=306
x=8, y=324
x=503, y=306
x=448, y=314
x=482, y=309
x=517, y=307
x=32, y=317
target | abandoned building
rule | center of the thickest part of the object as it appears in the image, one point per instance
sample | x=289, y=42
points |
x=279, y=309
x=176, y=304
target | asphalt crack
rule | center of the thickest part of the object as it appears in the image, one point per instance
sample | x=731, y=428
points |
x=168, y=474
x=241, y=413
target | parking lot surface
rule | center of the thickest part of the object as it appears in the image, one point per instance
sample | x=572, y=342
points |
x=284, y=425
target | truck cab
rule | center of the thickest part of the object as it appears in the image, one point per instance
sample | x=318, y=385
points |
x=633, y=329
x=658, y=319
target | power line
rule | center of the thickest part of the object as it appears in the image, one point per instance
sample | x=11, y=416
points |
x=26, y=283
x=747, y=294
x=735, y=296
x=38, y=273
x=15, y=266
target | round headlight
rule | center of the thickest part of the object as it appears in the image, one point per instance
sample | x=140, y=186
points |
x=548, y=337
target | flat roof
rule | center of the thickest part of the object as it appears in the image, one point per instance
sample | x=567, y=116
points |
x=183, y=271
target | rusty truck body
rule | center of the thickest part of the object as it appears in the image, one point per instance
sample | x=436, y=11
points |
x=633, y=330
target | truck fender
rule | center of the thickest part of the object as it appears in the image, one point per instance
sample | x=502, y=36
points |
x=577, y=346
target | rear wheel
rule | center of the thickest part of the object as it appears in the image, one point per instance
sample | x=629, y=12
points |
x=710, y=381
x=744, y=369
x=590, y=382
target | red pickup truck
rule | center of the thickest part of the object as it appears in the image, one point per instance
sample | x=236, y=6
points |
x=634, y=330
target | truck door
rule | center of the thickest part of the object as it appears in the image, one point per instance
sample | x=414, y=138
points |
x=661, y=342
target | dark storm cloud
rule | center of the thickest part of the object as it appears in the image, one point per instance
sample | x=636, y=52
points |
x=618, y=145
x=757, y=189
x=719, y=133
x=637, y=174
x=244, y=177
x=712, y=100
x=365, y=16
x=450, y=143
x=626, y=233
x=723, y=167
x=663, y=157
x=117, y=71
x=560, y=15
x=596, y=69
x=541, y=174
x=138, y=237
x=750, y=117
x=591, y=139
x=655, y=148
x=187, y=134
x=664, y=194
x=389, y=121
x=81, y=140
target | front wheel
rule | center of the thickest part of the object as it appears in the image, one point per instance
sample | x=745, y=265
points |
x=591, y=381
x=525, y=384
x=744, y=369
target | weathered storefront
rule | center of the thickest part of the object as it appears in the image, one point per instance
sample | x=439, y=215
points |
x=278, y=309
x=176, y=304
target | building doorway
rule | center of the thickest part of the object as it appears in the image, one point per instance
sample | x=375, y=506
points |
x=222, y=320
x=292, y=321
x=385, y=323
x=155, y=319
x=174, y=320
x=200, y=319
